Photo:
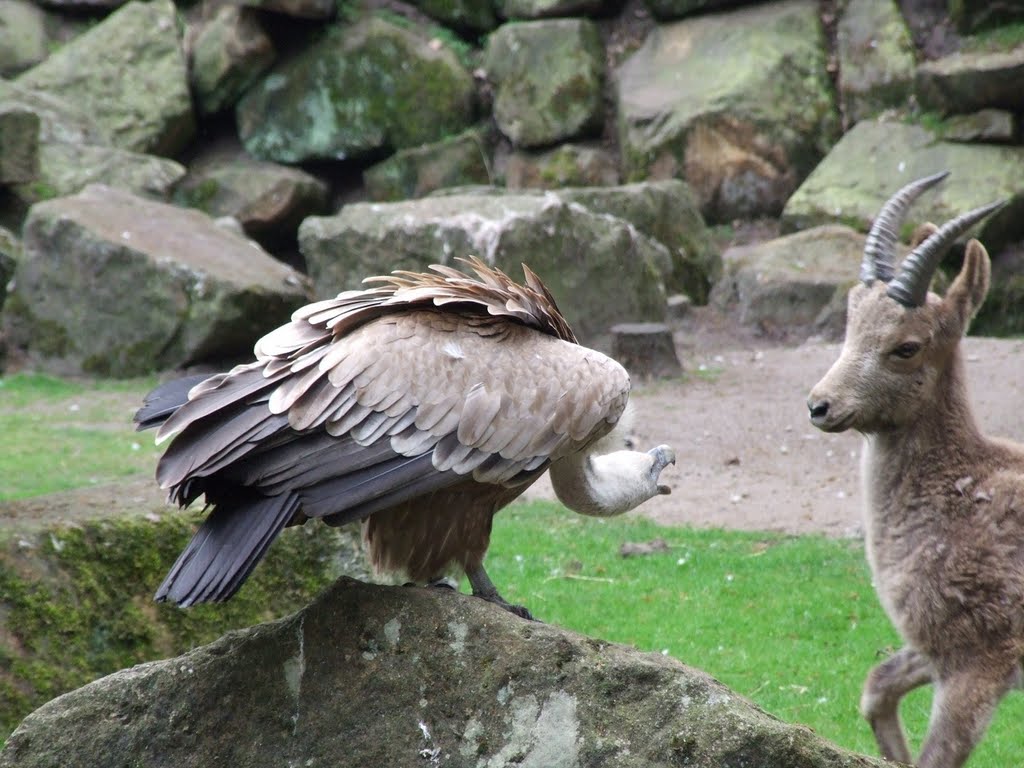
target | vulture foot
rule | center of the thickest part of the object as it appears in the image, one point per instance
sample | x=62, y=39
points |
x=484, y=588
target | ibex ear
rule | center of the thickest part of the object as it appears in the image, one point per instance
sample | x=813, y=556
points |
x=922, y=233
x=969, y=288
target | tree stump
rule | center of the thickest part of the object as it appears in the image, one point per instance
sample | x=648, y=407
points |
x=646, y=350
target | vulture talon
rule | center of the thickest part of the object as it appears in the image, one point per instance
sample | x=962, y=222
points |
x=420, y=406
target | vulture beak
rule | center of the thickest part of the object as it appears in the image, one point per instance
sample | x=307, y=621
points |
x=663, y=455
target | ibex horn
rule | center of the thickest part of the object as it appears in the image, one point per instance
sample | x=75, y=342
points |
x=878, y=247
x=911, y=288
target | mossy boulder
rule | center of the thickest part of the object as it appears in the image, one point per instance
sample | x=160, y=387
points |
x=10, y=252
x=128, y=72
x=23, y=38
x=543, y=9
x=876, y=58
x=362, y=88
x=19, y=144
x=548, y=78
x=473, y=15
x=675, y=9
x=117, y=285
x=229, y=52
x=392, y=676
x=59, y=119
x=269, y=200
x=738, y=104
x=848, y=189
x=600, y=269
x=418, y=171
x=78, y=571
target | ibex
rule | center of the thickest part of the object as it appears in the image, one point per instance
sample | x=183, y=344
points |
x=944, y=505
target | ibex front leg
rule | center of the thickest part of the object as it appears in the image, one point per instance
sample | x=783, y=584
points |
x=887, y=683
x=961, y=710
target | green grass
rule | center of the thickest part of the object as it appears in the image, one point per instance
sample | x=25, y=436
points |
x=59, y=434
x=790, y=622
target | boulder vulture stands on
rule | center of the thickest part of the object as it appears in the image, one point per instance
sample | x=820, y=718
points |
x=421, y=407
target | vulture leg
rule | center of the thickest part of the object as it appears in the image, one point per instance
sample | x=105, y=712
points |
x=484, y=588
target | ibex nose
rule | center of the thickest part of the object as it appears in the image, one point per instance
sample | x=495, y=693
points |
x=818, y=409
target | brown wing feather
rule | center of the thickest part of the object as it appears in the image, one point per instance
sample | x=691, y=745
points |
x=376, y=398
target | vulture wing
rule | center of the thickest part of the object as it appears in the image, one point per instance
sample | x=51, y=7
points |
x=374, y=399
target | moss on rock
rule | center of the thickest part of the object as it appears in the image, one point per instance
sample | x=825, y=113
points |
x=77, y=597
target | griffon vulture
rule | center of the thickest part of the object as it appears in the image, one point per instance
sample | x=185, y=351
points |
x=421, y=407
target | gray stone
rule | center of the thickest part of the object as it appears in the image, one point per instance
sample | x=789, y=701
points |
x=646, y=350
x=65, y=169
x=303, y=9
x=117, y=285
x=668, y=212
x=230, y=51
x=568, y=165
x=353, y=93
x=128, y=73
x=19, y=144
x=738, y=104
x=876, y=158
x=80, y=568
x=987, y=125
x=967, y=82
x=475, y=15
x=268, y=200
x=876, y=58
x=548, y=78
x=789, y=286
x=59, y=120
x=418, y=171
x=397, y=676
x=542, y=9
x=23, y=39
x=600, y=269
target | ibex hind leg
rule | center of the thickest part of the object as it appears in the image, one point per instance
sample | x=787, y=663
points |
x=962, y=709
x=886, y=684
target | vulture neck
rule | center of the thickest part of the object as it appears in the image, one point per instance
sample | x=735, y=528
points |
x=606, y=485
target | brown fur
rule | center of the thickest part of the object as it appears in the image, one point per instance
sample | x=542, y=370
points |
x=944, y=513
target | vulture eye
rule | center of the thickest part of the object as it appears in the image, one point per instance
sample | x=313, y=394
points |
x=907, y=350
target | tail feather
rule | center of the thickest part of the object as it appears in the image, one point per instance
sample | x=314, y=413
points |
x=159, y=404
x=228, y=545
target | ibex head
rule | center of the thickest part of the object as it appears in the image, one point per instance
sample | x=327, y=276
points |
x=899, y=337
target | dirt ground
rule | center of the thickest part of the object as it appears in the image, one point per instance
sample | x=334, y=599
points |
x=747, y=457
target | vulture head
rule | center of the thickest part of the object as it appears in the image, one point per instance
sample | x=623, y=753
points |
x=419, y=406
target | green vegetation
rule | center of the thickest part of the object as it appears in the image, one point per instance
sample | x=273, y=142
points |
x=60, y=434
x=1002, y=37
x=792, y=623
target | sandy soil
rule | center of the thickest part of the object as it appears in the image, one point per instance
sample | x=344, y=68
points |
x=747, y=457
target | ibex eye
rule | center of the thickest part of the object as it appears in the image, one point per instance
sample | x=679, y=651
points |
x=907, y=350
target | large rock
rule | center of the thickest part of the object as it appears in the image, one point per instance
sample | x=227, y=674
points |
x=876, y=58
x=394, y=676
x=739, y=104
x=128, y=72
x=601, y=269
x=78, y=570
x=548, y=78
x=23, y=39
x=674, y=9
x=792, y=286
x=418, y=171
x=967, y=82
x=116, y=285
x=65, y=169
x=59, y=119
x=362, y=88
x=875, y=158
x=540, y=9
x=267, y=199
x=303, y=9
x=229, y=52
x=10, y=252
